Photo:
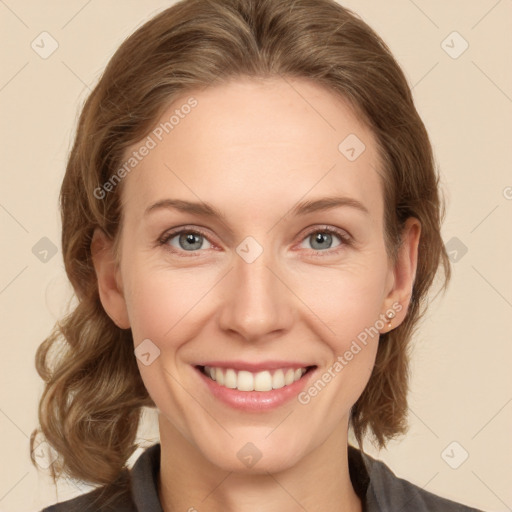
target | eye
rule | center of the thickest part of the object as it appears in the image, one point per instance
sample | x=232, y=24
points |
x=186, y=240
x=322, y=239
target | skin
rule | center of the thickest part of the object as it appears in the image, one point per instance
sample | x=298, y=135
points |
x=254, y=149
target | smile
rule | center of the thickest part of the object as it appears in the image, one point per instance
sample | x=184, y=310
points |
x=248, y=381
x=252, y=387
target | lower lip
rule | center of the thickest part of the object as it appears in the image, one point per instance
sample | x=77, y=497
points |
x=255, y=400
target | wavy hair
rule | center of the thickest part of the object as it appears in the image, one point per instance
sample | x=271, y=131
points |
x=93, y=396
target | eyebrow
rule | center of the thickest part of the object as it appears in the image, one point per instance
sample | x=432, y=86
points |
x=208, y=210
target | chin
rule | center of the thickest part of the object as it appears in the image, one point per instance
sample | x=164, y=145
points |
x=274, y=462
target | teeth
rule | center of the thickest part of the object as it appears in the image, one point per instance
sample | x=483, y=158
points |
x=278, y=379
x=263, y=381
x=289, y=377
x=230, y=379
x=219, y=376
x=248, y=381
x=245, y=381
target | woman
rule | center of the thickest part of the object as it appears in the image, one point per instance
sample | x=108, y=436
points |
x=251, y=222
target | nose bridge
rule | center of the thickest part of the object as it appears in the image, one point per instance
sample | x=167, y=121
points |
x=257, y=302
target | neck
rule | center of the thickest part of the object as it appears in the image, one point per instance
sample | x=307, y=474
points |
x=190, y=482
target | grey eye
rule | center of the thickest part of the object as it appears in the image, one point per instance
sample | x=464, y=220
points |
x=189, y=241
x=321, y=240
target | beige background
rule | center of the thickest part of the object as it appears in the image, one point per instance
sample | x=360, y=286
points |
x=461, y=384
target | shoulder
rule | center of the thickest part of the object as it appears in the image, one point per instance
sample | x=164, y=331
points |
x=103, y=499
x=134, y=490
x=387, y=492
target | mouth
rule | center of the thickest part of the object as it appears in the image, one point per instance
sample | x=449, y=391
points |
x=251, y=386
x=259, y=381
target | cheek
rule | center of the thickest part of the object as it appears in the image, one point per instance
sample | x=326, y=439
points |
x=347, y=299
x=349, y=302
x=160, y=300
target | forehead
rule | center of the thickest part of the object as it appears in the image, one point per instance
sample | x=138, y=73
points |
x=252, y=142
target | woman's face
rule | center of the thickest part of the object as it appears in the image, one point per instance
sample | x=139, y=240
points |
x=253, y=240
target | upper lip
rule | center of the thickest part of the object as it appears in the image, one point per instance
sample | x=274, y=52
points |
x=256, y=367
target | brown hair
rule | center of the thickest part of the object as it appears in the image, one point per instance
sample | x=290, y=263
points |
x=90, y=408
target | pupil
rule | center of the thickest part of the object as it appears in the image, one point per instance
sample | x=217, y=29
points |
x=190, y=241
x=321, y=238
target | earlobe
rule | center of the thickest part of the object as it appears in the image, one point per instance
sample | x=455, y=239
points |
x=109, y=281
x=404, y=272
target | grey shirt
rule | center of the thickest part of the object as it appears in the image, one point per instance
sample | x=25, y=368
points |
x=376, y=485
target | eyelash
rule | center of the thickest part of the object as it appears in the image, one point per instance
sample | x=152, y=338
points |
x=346, y=240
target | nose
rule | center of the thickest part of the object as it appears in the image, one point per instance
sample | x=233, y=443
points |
x=257, y=304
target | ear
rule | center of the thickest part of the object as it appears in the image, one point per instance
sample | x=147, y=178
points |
x=404, y=272
x=109, y=279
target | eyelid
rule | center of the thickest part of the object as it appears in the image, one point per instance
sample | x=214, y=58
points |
x=321, y=228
